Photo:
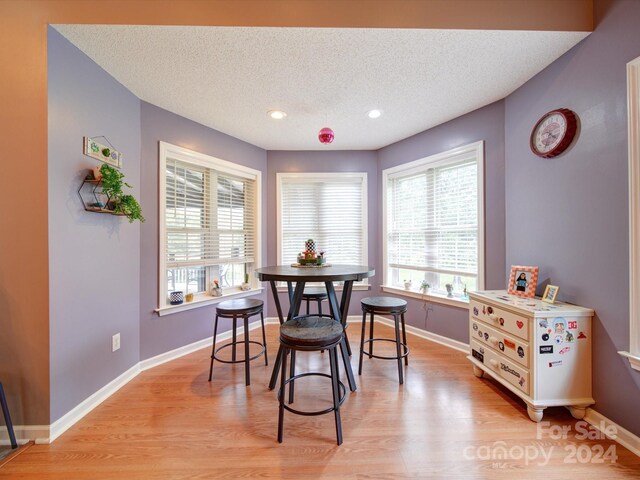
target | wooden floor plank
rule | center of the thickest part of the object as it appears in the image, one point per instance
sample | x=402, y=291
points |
x=171, y=423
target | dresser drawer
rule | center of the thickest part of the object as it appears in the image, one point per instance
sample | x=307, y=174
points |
x=505, y=368
x=500, y=319
x=512, y=347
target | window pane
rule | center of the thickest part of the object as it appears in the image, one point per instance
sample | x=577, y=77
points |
x=187, y=280
x=432, y=222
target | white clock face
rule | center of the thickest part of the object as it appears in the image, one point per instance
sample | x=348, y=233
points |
x=549, y=133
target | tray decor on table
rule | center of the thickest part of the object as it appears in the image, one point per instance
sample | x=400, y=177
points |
x=310, y=258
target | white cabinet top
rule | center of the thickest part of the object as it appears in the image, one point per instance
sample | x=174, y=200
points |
x=533, y=307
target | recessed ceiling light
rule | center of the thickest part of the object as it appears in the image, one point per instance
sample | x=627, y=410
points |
x=276, y=114
x=374, y=113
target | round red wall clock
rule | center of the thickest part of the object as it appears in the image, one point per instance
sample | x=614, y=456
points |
x=553, y=133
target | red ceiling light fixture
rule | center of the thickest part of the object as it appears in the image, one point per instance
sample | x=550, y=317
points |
x=326, y=135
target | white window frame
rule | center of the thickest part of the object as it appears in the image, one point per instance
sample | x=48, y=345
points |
x=362, y=177
x=633, y=112
x=167, y=150
x=477, y=149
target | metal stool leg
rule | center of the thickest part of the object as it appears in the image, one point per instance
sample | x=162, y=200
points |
x=347, y=365
x=292, y=373
x=307, y=306
x=364, y=324
x=320, y=306
x=264, y=339
x=7, y=418
x=276, y=369
x=333, y=360
x=247, y=370
x=285, y=352
x=404, y=339
x=213, y=348
x=233, y=339
x=370, y=332
x=396, y=322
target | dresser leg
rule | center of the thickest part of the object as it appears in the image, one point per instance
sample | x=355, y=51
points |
x=535, y=413
x=577, y=412
x=477, y=371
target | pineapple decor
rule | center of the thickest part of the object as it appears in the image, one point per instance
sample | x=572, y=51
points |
x=310, y=246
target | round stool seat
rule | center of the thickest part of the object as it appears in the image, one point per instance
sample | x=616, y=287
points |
x=239, y=306
x=384, y=304
x=313, y=293
x=312, y=331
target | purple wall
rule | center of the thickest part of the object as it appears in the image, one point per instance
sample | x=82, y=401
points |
x=569, y=214
x=161, y=334
x=486, y=124
x=330, y=161
x=94, y=273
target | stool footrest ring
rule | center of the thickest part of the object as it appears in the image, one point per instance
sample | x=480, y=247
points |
x=382, y=357
x=341, y=387
x=240, y=343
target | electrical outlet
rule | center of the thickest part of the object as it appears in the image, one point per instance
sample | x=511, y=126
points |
x=115, y=342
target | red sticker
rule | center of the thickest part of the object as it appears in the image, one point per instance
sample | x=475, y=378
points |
x=520, y=324
x=573, y=325
x=509, y=344
x=581, y=335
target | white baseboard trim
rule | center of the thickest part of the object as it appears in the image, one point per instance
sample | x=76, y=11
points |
x=418, y=332
x=623, y=436
x=187, y=349
x=26, y=433
x=83, y=408
x=47, y=434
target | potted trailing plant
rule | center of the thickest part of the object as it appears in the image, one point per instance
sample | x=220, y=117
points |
x=113, y=186
x=424, y=287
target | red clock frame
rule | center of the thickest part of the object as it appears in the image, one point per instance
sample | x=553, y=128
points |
x=572, y=128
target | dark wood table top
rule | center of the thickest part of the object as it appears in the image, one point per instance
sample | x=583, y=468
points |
x=333, y=273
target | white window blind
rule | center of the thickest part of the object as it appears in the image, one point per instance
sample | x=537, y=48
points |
x=329, y=208
x=209, y=217
x=432, y=226
x=208, y=225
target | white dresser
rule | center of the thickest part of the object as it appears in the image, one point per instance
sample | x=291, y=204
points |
x=539, y=351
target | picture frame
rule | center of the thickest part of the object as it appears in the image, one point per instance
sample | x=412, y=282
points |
x=550, y=293
x=104, y=153
x=523, y=281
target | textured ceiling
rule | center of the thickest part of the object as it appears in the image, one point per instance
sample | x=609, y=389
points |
x=227, y=78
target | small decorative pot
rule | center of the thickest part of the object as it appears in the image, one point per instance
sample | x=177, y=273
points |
x=245, y=286
x=407, y=285
x=449, y=290
x=97, y=174
x=189, y=297
x=216, y=292
x=176, y=298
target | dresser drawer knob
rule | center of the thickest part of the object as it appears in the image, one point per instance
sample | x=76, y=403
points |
x=494, y=340
x=494, y=363
x=493, y=317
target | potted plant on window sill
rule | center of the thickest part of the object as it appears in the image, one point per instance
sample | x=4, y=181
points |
x=246, y=286
x=424, y=287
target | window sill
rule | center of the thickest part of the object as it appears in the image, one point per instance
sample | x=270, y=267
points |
x=428, y=297
x=634, y=360
x=206, y=300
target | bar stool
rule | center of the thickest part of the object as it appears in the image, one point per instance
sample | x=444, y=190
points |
x=396, y=307
x=315, y=294
x=234, y=309
x=311, y=333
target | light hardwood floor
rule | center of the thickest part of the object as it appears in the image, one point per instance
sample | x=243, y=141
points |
x=170, y=423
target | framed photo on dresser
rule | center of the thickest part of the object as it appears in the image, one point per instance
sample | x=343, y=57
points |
x=523, y=281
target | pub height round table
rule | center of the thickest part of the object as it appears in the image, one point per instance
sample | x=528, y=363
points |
x=328, y=275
